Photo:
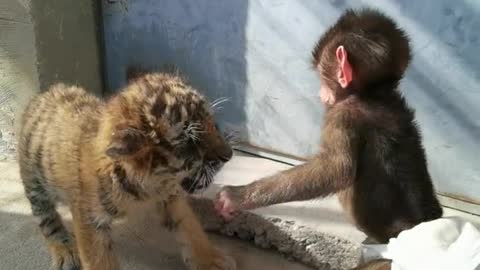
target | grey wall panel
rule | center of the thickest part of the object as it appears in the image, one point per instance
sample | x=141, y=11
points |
x=43, y=42
x=18, y=73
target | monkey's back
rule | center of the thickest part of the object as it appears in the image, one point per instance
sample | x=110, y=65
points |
x=56, y=126
x=393, y=188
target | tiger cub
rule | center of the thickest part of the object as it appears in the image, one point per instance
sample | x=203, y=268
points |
x=153, y=142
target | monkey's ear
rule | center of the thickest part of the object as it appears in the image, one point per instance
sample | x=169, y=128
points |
x=344, y=73
x=126, y=142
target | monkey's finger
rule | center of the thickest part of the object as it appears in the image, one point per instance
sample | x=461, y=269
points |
x=219, y=194
x=228, y=214
x=222, y=210
x=219, y=204
x=227, y=217
x=222, y=200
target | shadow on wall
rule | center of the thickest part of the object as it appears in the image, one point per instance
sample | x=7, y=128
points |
x=444, y=66
x=205, y=39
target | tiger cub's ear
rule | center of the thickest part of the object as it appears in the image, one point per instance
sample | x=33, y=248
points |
x=135, y=72
x=126, y=142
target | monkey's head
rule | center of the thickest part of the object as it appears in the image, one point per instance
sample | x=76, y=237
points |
x=363, y=48
x=162, y=127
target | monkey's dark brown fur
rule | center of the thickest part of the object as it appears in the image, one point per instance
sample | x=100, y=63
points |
x=371, y=152
x=377, y=49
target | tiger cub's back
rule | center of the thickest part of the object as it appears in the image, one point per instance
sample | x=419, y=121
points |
x=55, y=125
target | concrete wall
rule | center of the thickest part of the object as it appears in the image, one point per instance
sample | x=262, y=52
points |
x=42, y=42
x=258, y=54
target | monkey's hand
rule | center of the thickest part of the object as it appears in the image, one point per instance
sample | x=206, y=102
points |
x=229, y=201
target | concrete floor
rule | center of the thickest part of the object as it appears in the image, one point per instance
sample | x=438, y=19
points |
x=143, y=245
x=141, y=242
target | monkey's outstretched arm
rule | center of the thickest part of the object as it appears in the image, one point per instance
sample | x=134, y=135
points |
x=332, y=170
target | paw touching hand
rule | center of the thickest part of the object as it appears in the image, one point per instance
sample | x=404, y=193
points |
x=228, y=202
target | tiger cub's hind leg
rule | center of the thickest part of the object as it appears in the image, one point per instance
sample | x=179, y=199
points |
x=60, y=241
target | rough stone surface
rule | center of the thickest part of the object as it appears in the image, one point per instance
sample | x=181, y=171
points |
x=7, y=133
x=316, y=249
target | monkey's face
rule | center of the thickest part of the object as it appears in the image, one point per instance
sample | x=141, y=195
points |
x=326, y=94
x=328, y=87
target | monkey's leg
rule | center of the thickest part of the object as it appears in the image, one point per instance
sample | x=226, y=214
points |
x=377, y=233
x=197, y=251
x=60, y=242
x=94, y=243
x=345, y=198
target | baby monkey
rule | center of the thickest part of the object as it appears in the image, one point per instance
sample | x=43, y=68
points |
x=371, y=153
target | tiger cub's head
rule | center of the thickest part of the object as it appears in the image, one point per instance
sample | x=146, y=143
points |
x=161, y=126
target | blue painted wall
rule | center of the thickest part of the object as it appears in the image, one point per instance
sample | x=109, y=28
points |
x=257, y=53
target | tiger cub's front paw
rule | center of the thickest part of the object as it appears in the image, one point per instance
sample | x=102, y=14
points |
x=213, y=260
x=221, y=261
x=65, y=258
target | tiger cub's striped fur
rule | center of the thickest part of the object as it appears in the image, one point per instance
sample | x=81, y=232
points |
x=103, y=157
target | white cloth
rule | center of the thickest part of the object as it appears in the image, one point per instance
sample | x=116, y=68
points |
x=443, y=244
